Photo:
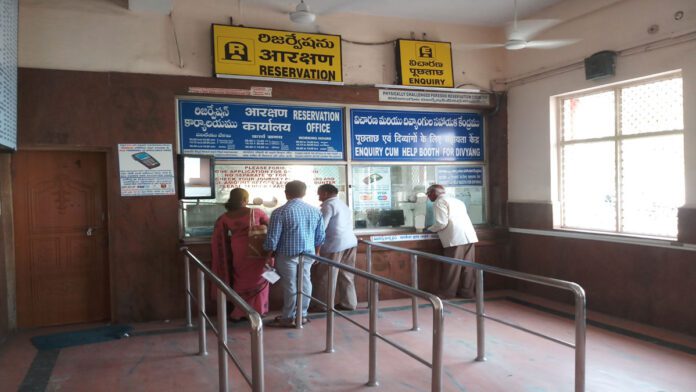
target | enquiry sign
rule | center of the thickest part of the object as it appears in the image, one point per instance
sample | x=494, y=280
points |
x=400, y=135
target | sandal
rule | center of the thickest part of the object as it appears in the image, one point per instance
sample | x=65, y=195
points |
x=279, y=322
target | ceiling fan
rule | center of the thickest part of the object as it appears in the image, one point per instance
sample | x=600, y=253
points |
x=520, y=33
x=302, y=14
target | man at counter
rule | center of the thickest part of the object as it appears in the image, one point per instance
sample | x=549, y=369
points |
x=457, y=234
x=341, y=246
x=294, y=228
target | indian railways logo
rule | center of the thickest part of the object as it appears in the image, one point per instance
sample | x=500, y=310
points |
x=425, y=51
x=236, y=50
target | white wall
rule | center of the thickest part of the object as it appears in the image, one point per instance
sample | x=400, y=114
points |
x=103, y=35
x=618, y=26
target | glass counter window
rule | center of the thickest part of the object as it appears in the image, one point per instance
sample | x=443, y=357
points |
x=266, y=187
x=394, y=196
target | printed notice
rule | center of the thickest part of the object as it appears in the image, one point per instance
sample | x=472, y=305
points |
x=146, y=169
x=371, y=188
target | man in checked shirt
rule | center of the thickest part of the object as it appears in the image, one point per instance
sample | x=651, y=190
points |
x=294, y=228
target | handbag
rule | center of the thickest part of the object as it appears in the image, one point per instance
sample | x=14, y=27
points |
x=257, y=236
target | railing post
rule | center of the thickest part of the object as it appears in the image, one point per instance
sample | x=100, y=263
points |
x=223, y=367
x=373, y=303
x=330, y=297
x=580, y=332
x=368, y=266
x=187, y=273
x=298, y=285
x=480, y=317
x=414, y=284
x=257, y=354
x=438, y=339
x=202, y=346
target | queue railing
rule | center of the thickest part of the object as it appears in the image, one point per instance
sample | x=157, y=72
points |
x=576, y=289
x=373, y=304
x=224, y=293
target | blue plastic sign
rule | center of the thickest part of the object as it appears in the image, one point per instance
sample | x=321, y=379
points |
x=230, y=130
x=400, y=135
x=459, y=176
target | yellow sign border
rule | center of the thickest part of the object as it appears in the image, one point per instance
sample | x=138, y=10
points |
x=402, y=67
x=282, y=61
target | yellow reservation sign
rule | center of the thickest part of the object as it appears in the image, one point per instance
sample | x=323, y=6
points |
x=424, y=63
x=260, y=53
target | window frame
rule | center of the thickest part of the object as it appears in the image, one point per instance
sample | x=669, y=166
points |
x=616, y=139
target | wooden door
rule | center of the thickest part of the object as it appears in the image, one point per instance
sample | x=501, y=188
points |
x=60, y=237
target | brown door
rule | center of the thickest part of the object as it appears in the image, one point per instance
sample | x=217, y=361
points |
x=60, y=232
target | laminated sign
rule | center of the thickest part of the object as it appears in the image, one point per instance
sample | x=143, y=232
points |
x=424, y=63
x=276, y=54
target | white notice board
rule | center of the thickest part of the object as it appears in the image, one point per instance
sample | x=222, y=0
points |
x=146, y=169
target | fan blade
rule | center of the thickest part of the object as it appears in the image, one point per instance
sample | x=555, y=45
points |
x=526, y=29
x=551, y=43
x=475, y=46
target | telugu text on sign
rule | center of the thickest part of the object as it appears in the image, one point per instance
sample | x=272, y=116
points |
x=396, y=135
x=259, y=53
x=258, y=131
x=424, y=63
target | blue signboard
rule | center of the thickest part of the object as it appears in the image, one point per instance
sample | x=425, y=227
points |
x=399, y=135
x=260, y=131
x=459, y=176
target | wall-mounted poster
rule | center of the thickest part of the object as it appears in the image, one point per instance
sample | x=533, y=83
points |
x=424, y=63
x=262, y=54
x=371, y=188
x=230, y=130
x=146, y=169
x=400, y=135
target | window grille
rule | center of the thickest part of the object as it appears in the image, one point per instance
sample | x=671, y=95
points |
x=621, y=157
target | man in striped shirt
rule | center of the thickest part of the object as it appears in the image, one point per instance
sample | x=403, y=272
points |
x=295, y=228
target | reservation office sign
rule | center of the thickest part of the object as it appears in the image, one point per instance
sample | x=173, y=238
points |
x=230, y=130
x=400, y=135
x=257, y=53
x=424, y=63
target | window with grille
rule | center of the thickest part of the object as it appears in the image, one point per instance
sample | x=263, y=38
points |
x=621, y=158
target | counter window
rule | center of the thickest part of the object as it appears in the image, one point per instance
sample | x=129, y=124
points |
x=266, y=187
x=394, y=196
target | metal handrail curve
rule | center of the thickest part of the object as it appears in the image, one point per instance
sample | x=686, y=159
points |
x=256, y=380
x=373, y=282
x=576, y=289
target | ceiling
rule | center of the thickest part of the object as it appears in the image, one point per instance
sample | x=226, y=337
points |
x=466, y=12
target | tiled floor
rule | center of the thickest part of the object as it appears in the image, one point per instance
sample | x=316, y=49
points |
x=621, y=356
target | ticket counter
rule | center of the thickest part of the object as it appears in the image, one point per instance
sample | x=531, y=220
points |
x=381, y=159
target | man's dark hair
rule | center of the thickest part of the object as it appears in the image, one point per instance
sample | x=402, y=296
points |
x=328, y=188
x=294, y=189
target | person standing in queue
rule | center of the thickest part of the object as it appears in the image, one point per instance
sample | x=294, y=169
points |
x=231, y=260
x=341, y=246
x=295, y=228
x=457, y=234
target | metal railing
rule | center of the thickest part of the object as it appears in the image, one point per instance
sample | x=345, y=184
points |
x=576, y=289
x=224, y=292
x=373, y=304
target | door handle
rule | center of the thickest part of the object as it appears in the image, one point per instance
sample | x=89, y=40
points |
x=90, y=231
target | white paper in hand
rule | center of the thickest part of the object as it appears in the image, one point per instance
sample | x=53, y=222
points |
x=271, y=276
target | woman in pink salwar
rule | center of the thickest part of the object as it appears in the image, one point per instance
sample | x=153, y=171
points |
x=229, y=250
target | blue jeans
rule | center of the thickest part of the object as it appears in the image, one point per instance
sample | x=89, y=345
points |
x=287, y=269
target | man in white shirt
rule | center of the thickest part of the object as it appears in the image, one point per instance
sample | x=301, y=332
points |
x=457, y=234
x=340, y=245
